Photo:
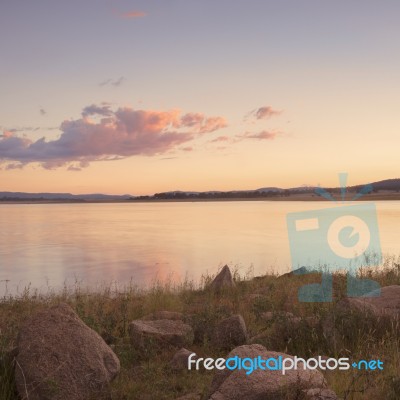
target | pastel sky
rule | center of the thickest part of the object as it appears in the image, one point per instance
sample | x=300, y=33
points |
x=146, y=96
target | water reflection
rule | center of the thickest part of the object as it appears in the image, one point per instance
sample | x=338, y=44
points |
x=48, y=245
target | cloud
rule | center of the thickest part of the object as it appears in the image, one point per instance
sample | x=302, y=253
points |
x=12, y=166
x=93, y=109
x=118, y=134
x=220, y=139
x=133, y=14
x=42, y=111
x=113, y=82
x=263, y=135
x=264, y=112
x=118, y=81
x=24, y=129
x=203, y=124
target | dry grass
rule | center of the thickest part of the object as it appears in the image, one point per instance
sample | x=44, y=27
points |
x=109, y=311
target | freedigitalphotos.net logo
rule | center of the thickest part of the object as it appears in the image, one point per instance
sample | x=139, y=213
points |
x=280, y=363
x=344, y=237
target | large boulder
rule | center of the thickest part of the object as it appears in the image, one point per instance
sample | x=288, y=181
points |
x=353, y=316
x=60, y=358
x=260, y=384
x=383, y=302
x=147, y=335
x=230, y=332
x=224, y=280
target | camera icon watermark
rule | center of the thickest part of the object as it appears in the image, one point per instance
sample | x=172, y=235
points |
x=343, y=237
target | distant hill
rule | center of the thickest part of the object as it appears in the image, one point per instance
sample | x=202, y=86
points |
x=392, y=185
x=267, y=192
x=388, y=184
x=22, y=196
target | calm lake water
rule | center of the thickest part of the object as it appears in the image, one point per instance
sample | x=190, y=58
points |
x=49, y=245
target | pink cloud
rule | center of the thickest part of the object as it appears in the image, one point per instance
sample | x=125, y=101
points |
x=203, y=124
x=263, y=135
x=118, y=134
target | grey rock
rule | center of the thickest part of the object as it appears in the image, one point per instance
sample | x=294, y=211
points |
x=230, y=332
x=262, y=385
x=358, y=314
x=384, y=303
x=60, y=358
x=160, y=333
x=180, y=359
x=223, y=280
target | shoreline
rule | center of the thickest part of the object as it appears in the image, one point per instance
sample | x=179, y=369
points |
x=300, y=197
x=271, y=314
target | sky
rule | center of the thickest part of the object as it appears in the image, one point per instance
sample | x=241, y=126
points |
x=139, y=97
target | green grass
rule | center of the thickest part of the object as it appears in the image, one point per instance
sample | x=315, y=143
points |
x=148, y=376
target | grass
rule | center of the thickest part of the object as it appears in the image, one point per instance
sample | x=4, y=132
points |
x=148, y=376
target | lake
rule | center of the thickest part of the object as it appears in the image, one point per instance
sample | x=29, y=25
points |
x=49, y=245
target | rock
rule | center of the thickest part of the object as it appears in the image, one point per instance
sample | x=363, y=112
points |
x=180, y=359
x=299, y=271
x=60, y=358
x=223, y=280
x=385, y=304
x=237, y=385
x=159, y=333
x=361, y=314
x=172, y=315
x=230, y=332
x=320, y=394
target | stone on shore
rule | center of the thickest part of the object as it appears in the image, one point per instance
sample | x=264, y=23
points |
x=230, y=332
x=147, y=335
x=237, y=385
x=61, y=358
x=382, y=303
x=180, y=359
x=224, y=280
x=361, y=314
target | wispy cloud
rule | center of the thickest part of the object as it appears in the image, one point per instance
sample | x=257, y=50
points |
x=94, y=109
x=202, y=124
x=220, y=139
x=263, y=135
x=42, y=111
x=105, y=134
x=264, y=112
x=132, y=14
x=113, y=82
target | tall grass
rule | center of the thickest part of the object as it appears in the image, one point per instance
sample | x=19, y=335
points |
x=109, y=310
